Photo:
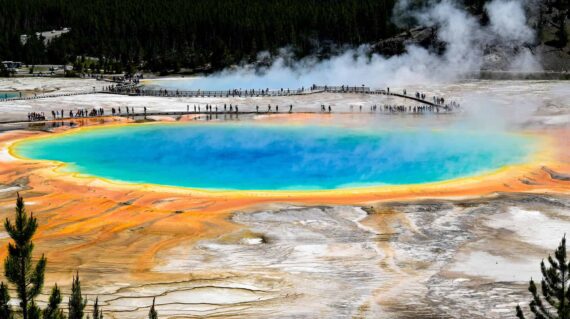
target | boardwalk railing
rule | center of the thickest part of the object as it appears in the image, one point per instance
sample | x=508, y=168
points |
x=342, y=89
x=43, y=96
x=241, y=93
x=133, y=90
x=206, y=93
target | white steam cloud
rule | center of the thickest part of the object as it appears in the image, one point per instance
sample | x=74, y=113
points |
x=469, y=47
x=508, y=21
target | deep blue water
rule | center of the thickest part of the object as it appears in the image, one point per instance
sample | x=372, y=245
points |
x=253, y=156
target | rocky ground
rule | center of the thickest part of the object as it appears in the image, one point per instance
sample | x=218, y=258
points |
x=424, y=259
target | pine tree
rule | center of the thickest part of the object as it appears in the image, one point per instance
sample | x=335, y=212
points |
x=76, y=302
x=555, y=288
x=34, y=311
x=5, y=309
x=52, y=311
x=152, y=314
x=18, y=266
x=97, y=313
x=164, y=35
x=4, y=71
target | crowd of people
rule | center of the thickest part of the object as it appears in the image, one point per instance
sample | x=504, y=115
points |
x=388, y=108
x=36, y=116
x=209, y=108
x=437, y=105
x=132, y=90
x=234, y=109
x=79, y=113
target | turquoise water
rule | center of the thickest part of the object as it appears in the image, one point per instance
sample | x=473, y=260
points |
x=9, y=95
x=260, y=157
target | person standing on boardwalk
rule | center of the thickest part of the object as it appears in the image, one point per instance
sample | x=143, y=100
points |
x=291, y=108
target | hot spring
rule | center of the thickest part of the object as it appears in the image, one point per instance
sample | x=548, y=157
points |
x=252, y=156
x=9, y=95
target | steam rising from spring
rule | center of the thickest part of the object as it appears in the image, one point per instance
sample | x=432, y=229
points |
x=462, y=35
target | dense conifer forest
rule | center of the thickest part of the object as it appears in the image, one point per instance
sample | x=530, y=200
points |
x=198, y=35
x=173, y=34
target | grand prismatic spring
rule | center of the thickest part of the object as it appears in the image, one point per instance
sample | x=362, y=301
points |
x=296, y=159
x=249, y=156
x=302, y=214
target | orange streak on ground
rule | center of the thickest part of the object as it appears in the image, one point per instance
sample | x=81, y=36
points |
x=92, y=224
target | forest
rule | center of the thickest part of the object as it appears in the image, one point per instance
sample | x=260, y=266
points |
x=172, y=34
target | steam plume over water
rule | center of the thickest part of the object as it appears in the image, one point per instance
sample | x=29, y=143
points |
x=461, y=33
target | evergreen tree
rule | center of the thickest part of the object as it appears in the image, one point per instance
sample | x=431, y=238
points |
x=559, y=11
x=555, y=288
x=97, y=313
x=52, y=311
x=18, y=266
x=34, y=311
x=198, y=34
x=3, y=71
x=152, y=314
x=5, y=309
x=76, y=302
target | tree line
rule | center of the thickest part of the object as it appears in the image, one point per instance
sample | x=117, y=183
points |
x=163, y=35
x=201, y=35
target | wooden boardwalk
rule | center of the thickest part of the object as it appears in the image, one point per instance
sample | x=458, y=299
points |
x=45, y=96
x=266, y=92
x=209, y=115
x=138, y=91
x=134, y=91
